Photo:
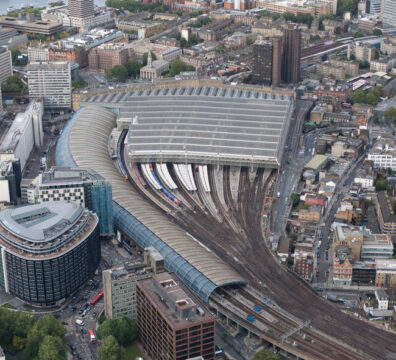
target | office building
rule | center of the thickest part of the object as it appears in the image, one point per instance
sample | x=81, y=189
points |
x=83, y=186
x=267, y=62
x=47, y=251
x=5, y=64
x=29, y=24
x=106, y=56
x=25, y=132
x=388, y=12
x=119, y=284
x=50, y=81
x=291, y=54
x=82, y=14
x=81, y=8
x=171, y=324
x=119, y=288
x=10, y=182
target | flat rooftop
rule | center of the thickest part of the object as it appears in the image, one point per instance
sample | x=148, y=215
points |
x=45, y=230
x=178, y=295
x=40, y=222
x=59, y=175
x=207, y=124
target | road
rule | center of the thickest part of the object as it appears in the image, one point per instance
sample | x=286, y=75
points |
x=341, y=190
x=290, y=169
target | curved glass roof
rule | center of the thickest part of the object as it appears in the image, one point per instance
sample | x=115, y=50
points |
x=84, y=143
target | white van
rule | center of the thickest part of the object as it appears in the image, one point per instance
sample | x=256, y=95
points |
x=80, y=322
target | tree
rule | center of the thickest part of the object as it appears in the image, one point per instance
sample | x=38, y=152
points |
x=133, y=66
x=266, y=355
x=381, y=185
x=295, y=199
x=346, y=5
x=18, y=343
x=275, y=16
x=17, y=58
x=377, y=32
x=110, y=349
x=13, y=84
x=117, y=72
x=371, y=99
x=52, y=348
x=358, y=34
x=79, y=84
x=44, y=326
x=359, y=96
x=249, y=41
x=145, y=56
x=390, y=114
x=177, y=66
x=123, y=329
x=193, y=40
x=288, y=16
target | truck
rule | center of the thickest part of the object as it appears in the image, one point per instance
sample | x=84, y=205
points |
x=80, y=322
x=278, y=194
x=92, y=337
x=43, y=163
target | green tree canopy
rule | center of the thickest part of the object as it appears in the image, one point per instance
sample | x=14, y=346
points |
x=249, y=41
x=358, y=34
x=133, y=66
x=377, y=32
x=52, y=348
x=123, y=329
x=110, y=349
x=117, y=72
x=266, y=355
x=44, y=326
x=79, y=84
x=359, y=96
x=13, y=84
x=347, y=5
x=295, y=199
x=381, y=185
x=177, y=66
x=390, y=114
x=371, y=98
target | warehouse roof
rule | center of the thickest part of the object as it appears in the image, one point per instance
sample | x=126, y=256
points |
x=316, y=162
x=200, y=269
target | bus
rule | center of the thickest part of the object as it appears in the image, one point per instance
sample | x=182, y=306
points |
x=92, y=337
x=97, y=298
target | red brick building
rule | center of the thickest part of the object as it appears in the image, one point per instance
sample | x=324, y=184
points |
x=78, y=54
x=106, y=56
x=171, y=324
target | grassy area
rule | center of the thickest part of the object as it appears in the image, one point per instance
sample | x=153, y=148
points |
x=8, y=306
x=131, y=353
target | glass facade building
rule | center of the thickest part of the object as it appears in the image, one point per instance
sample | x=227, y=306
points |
x=47, y=251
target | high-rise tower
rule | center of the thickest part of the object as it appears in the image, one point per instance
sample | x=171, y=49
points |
x=266, y=62
x=291, y=54
x=81, y=8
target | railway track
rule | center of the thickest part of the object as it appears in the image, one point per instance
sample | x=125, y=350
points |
x=246, y=251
